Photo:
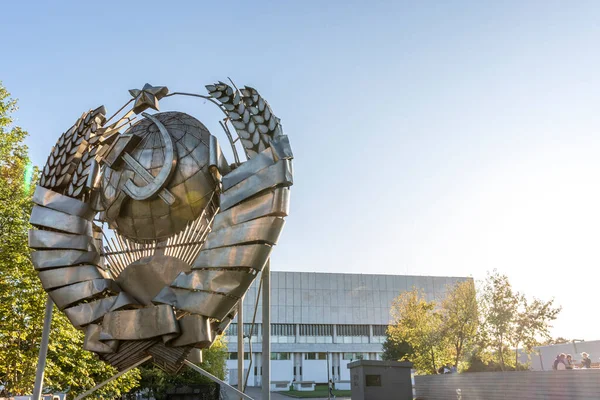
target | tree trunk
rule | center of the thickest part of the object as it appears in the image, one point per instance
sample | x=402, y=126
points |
x=458, y=353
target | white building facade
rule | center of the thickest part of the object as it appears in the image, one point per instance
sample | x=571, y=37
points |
x=321, y=319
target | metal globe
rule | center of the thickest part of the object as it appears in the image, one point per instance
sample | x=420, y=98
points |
x=191, y=183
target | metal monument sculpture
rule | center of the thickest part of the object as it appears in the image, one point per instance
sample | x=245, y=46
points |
x=146, y=237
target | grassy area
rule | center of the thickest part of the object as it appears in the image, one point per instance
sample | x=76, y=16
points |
x=320, y=391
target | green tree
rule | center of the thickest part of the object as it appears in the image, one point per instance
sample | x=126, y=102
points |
x=418, y=323
x=157, y=382
x=15, y=271
x=532, y=324
x=509, y=320
x=22, y=299
x=395, y=351
x=499, y=306
x=460, y=318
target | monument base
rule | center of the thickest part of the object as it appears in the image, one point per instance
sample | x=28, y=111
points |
x=381, y=380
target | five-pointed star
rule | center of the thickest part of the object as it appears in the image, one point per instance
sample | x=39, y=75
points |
x=148, y=97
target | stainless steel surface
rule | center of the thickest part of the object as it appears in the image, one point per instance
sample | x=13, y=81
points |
x=195, y=331
x=56, y=201
x=229, y=282
x=240, y=344
x=216, y=157
x=266, y=332
x=41, y=364
x=184, y=246
x=209, y=304
x=280, y=146
x=143, y=323
x=66, y=170
x=146, y=176
x=145, y=278
x=47, y=218
x=162, y=184
x=195, y=356
x=44, y=259
x=77, y=292
x=87, y=313
x=92, y=341
x=266, y=230
x=250, y=115
x=154, y=184
x=129, y=353
x=251, y=333
x=124, y=300
x=39, y=239
x=191, y=184
x=249, y=168
x=272, y=203
x=249, y=255
x=169, y=359
x=278, y=174
x=147, y=97
x=57, y=277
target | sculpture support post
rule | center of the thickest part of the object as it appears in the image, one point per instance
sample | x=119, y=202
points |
x=329, y=381
x=240, y=343
x=266, y=336
x=39, y=374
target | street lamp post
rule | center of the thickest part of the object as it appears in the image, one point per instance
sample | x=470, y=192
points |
x=328, y=379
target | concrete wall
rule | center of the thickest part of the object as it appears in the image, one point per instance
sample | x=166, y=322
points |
x=344, y=371
x=547, y=385
x=314, y=370
x=282, y=370
x=390, y=380
x=232, y=371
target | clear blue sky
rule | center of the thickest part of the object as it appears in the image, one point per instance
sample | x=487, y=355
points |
x=434, y=138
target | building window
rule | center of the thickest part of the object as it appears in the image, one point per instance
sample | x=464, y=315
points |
x=379, y=330
x=316, y=330
x=256, y=331
x=280, y=356
x=232, y=330
x=352, y=330
x=234, y=356
x=315, y=356
x=352, y=356
x=283, y=329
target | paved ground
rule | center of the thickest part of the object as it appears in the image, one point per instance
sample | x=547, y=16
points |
x=255, y=393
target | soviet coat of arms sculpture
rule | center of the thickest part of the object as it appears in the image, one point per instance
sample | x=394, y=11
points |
x=146, y=237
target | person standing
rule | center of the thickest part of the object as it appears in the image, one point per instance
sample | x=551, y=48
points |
x=586, y=361
x=331, y=389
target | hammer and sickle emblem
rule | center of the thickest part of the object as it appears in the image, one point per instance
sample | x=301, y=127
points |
x=153, y=184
